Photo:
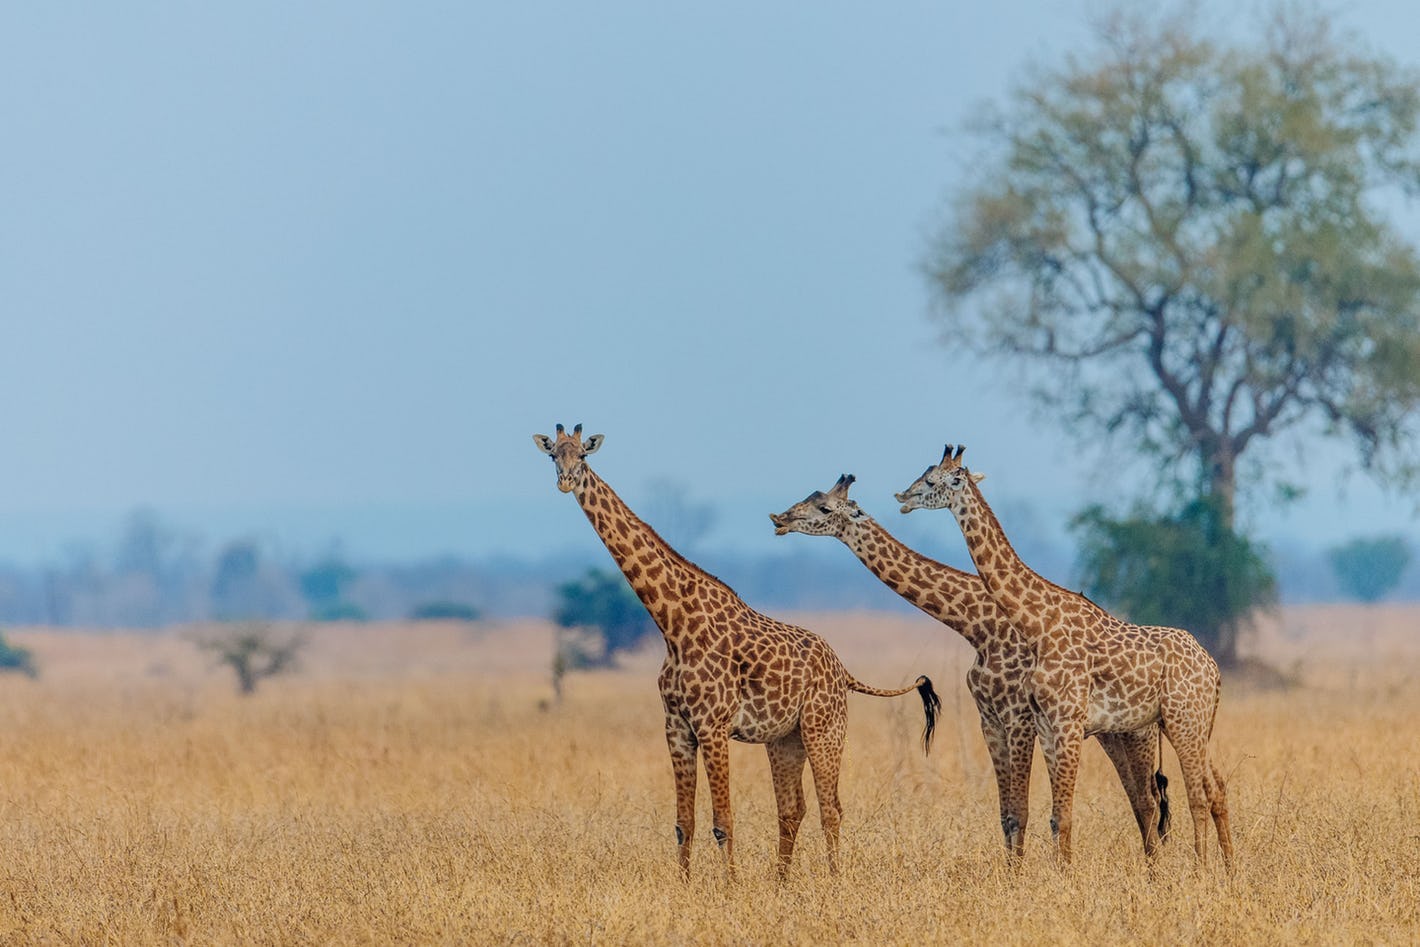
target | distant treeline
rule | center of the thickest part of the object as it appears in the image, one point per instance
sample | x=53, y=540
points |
x=154, y=576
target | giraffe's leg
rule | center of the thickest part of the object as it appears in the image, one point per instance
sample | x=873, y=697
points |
x=682, y=743
x=1133, y=757
x=1061, y=734
x=1021, y=740
x=1193, y=761
x=1062, y=787
x=1011, y=747
x=1218, y=804
x=823, y=735
x=786, y=766
x=715, y=747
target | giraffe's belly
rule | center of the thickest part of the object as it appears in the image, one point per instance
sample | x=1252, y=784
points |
x=755, y=722
x=1111, y=712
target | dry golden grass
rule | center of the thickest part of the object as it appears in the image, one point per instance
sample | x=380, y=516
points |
x=406, y=787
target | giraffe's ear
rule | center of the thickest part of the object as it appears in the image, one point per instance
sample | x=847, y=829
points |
x=543, y=442
x=978, y=477
x=590, y=445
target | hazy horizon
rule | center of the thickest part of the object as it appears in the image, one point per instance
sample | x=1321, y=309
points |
x=552, y=526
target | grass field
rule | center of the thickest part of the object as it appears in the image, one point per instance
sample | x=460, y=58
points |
x=412, y=784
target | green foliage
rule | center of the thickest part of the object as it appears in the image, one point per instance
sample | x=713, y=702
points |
x=236, y=584
x=15, y=658
x=1187, y=570
x=339, y=611
x=601, y=602
x=324, y=586
x=1191, y=233
x=326, y=581
x=444, y=611
x=1369, y=568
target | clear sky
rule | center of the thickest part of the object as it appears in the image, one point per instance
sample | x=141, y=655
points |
x=321, y=269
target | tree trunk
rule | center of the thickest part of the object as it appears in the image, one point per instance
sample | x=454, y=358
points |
x=1221, y=472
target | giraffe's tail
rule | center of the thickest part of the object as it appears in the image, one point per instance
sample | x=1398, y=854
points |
x=931, y=703
x=1161, y=783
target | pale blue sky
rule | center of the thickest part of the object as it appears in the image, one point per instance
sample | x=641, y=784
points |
x=321, y=269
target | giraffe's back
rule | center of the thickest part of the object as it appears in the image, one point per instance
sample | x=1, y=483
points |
x=1135, y=670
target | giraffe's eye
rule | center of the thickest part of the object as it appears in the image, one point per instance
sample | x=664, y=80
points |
x=824, y=509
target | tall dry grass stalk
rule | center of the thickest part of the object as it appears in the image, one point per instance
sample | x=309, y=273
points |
x=412, y=784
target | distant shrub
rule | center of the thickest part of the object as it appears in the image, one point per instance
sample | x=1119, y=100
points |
x=324, y=586
x=1369, y=568
x=444, y=611
x=339, y=611
x=15, y=658
x=603, y=604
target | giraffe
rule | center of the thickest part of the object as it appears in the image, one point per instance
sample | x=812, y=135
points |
x=997, y=678
x=730, y=673
x=1093, y=672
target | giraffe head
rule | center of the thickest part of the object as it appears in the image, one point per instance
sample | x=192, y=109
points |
x=941, y=486
x=569, y=455
x=820, y=514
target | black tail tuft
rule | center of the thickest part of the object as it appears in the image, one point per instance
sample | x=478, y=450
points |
x=931, y=708
x=1161, y=782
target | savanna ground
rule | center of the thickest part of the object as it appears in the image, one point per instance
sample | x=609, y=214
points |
x=412, y=784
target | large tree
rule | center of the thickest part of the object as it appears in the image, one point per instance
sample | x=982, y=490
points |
x=1195, y=235
x=1193, y=238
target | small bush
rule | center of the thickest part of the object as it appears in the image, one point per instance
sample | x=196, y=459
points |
x=602, y=603
x=339, y=611
x=15, y=658
x=1369, y=568
x=444, y=611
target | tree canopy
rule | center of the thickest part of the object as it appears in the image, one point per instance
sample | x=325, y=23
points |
x=1194, y=235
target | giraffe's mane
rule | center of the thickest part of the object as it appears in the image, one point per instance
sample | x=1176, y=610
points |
x=925, y=558
x=671, y=551
x=988, y=513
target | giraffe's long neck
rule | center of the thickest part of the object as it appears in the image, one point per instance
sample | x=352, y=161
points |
x=1028, y=600
x=948, y=595
x=664, y=580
